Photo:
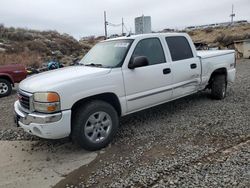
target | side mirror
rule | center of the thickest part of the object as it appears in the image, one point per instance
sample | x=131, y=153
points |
x=139, y=61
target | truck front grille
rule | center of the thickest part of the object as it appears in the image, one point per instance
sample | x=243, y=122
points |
x=24, y=100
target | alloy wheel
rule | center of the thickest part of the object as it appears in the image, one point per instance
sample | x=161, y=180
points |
x=3, y=88
x=98, y=127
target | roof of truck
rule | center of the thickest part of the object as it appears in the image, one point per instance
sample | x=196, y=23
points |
x=140, y=36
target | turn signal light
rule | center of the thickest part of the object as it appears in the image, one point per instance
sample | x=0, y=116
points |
x=53, y=97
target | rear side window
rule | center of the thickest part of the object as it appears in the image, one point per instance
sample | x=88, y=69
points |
x=150, y=48
x=179, y=48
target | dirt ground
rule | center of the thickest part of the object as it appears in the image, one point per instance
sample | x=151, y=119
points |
x=190, y=142
x=25, y=164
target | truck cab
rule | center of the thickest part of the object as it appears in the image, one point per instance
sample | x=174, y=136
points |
x=118, y=77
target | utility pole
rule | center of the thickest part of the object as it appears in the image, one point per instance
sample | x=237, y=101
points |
x=105, y=25
x=232, y=15
x=122, y=27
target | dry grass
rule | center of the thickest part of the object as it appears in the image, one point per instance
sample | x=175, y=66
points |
x=223, y=35
x=31, y=48
x=27, y=59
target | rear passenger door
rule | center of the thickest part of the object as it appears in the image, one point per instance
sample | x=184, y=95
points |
x=186, y=67
x=149, y=85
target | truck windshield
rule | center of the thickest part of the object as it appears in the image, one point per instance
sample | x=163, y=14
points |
x=108, y=54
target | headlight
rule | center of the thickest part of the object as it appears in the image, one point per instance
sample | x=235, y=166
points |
x=47, y=102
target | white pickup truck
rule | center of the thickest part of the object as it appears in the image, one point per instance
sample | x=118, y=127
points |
x=118, y=77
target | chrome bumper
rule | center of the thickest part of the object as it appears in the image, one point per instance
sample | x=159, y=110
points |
x=27, y=118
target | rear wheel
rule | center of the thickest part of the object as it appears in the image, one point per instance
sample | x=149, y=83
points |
x=94, y=125
x=219, y=87
x=5, y=87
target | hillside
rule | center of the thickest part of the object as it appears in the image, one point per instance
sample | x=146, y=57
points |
x=221, y=36
x=32, y=48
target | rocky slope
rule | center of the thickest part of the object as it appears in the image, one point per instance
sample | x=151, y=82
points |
x=31, y=47
x=221, y=36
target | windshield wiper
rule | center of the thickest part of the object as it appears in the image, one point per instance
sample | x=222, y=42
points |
x=94, y=65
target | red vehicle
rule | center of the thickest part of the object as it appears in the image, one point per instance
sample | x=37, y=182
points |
x=9, y=75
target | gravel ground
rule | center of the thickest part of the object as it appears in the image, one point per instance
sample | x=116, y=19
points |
x=190, y=142
x=8, y=131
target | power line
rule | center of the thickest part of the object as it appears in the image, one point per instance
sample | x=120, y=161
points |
x=113, y=25
x=106, y=23
x=126, y=28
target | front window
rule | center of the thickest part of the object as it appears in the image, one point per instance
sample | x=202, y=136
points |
x=152, y=49
x=107, y=54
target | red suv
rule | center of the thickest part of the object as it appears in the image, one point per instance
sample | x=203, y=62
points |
x=9, y=75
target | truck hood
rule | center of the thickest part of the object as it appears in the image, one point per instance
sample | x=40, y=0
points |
x=49, y=80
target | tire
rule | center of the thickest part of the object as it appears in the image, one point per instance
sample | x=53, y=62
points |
x=5, y=87
x=219, y=87
x=94, y=125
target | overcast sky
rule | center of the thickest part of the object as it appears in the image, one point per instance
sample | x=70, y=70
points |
x=85, y=17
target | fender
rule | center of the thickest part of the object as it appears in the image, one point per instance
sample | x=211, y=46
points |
x=8, y=76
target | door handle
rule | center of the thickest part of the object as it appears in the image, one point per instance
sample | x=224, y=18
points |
x=166, y=71
x=193, y=66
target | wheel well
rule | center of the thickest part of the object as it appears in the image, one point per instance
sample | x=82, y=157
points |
x=110, y=98
x=217, y=72
x=7, y=78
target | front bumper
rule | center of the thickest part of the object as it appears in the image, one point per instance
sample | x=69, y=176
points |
x=49, y=126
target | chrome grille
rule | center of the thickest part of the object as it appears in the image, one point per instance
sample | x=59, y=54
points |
x=24, y=100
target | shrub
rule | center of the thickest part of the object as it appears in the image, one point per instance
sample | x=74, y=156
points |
x=25, y=58
x=219, y=38
x=208, y=30
x=191, y=33
x=37, y=46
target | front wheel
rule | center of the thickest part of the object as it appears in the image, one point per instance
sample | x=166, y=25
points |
x=219, y=87
x=94, y=125
x=5, y=88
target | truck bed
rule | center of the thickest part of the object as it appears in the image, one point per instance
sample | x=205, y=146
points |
x=215, y=59
x=212, y=53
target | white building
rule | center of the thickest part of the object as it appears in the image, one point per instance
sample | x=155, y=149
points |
x=143, y=25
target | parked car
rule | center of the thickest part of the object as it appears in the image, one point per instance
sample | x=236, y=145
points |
x=118, y=77
x=9, y=75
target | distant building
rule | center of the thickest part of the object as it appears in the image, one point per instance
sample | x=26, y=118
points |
x=143, y=25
